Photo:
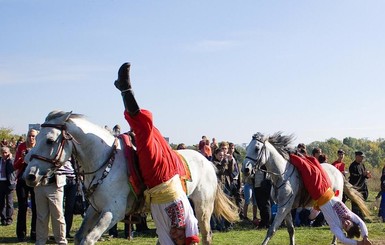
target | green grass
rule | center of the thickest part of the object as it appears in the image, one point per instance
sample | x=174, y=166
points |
x=243, y=233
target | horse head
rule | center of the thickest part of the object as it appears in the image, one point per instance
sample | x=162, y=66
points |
x=53, y=148
x=254, y=157
x=265, y=149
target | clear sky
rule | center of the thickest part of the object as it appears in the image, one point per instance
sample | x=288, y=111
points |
x=225, y=69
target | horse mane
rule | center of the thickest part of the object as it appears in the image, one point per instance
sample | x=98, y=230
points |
x=57, y=113
x=280, y=142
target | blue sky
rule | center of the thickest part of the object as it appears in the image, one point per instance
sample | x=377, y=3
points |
x=223, y=69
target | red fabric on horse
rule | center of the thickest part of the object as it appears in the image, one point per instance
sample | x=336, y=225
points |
x=134, y=178
x=315, y=180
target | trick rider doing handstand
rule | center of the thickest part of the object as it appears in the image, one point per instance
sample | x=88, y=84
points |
x=172, y=213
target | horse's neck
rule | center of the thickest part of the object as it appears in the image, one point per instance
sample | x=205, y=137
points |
x=276, y=163
x=94, y=144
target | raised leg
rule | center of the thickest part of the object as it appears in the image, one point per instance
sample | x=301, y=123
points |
x=89, y=221
x=93, y=227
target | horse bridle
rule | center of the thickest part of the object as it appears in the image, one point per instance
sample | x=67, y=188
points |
x=258, y=164
x=258, y=160
x=65, y=137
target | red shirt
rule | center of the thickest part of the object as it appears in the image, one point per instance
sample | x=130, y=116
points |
x=313, y=176
x=340, y=166
x=157, y=161
x=19, y=165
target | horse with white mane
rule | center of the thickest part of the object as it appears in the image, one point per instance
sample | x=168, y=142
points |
x=103, y=164
x=288, y=190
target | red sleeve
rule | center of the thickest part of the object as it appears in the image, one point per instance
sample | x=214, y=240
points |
x=19, y=158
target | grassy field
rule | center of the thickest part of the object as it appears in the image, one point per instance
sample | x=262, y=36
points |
x=243, y=233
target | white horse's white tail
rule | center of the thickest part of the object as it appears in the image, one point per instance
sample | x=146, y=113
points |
x=356, y=197
x=224, y=207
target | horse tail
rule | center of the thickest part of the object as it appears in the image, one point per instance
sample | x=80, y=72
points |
x=356, y=197
x=224, y=207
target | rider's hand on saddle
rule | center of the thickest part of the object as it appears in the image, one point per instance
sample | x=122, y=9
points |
x=123, y=81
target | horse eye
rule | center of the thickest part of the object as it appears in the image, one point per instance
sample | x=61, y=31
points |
x=50, y=141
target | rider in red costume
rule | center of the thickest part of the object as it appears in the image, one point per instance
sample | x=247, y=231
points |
x=337, y=215
x=170, y=208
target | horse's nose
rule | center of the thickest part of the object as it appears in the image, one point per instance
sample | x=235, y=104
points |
x=31, y=177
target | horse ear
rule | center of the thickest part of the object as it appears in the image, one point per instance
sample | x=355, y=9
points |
x=68, y=114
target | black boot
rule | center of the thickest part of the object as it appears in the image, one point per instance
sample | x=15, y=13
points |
x=123, y=82
x=124, y=85
x=130, y=103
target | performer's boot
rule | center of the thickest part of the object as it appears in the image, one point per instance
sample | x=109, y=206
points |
x=124, y=85
x=130, y=103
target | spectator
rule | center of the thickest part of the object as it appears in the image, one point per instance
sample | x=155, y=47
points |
x=339, y=164
x=262, y=189
x=221, y=164
x=248, y=193
x=20, y=140
x=302, y=148
x=70, y=190
x=214, y=145
x=236, y=178
x=358, y=178
x=202, y=144
x=232, y=188
x=7, y=186
x=23, y=191
x=223, y=176
x=181, y=146
x=207, y=150
x=381, y=211
x=316, y=152
x=3, y=143
x=49, y=203
x=12, y=144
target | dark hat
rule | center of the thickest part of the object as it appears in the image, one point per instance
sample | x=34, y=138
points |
x=359, y=153
x=340, y=151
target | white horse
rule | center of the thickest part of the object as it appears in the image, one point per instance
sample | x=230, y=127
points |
x=288, y=190
x=104, y=167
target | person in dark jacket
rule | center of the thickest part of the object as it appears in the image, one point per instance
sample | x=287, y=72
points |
x=358, y=178
x=7, y=186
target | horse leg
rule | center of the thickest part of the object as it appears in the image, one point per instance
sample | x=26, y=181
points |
x=94, y=232
x=203, y=211
x=290, y=228
x=88, y=222
x=279, y=217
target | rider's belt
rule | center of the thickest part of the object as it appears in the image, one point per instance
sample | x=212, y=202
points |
x=326, y=197
x=165, y=192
